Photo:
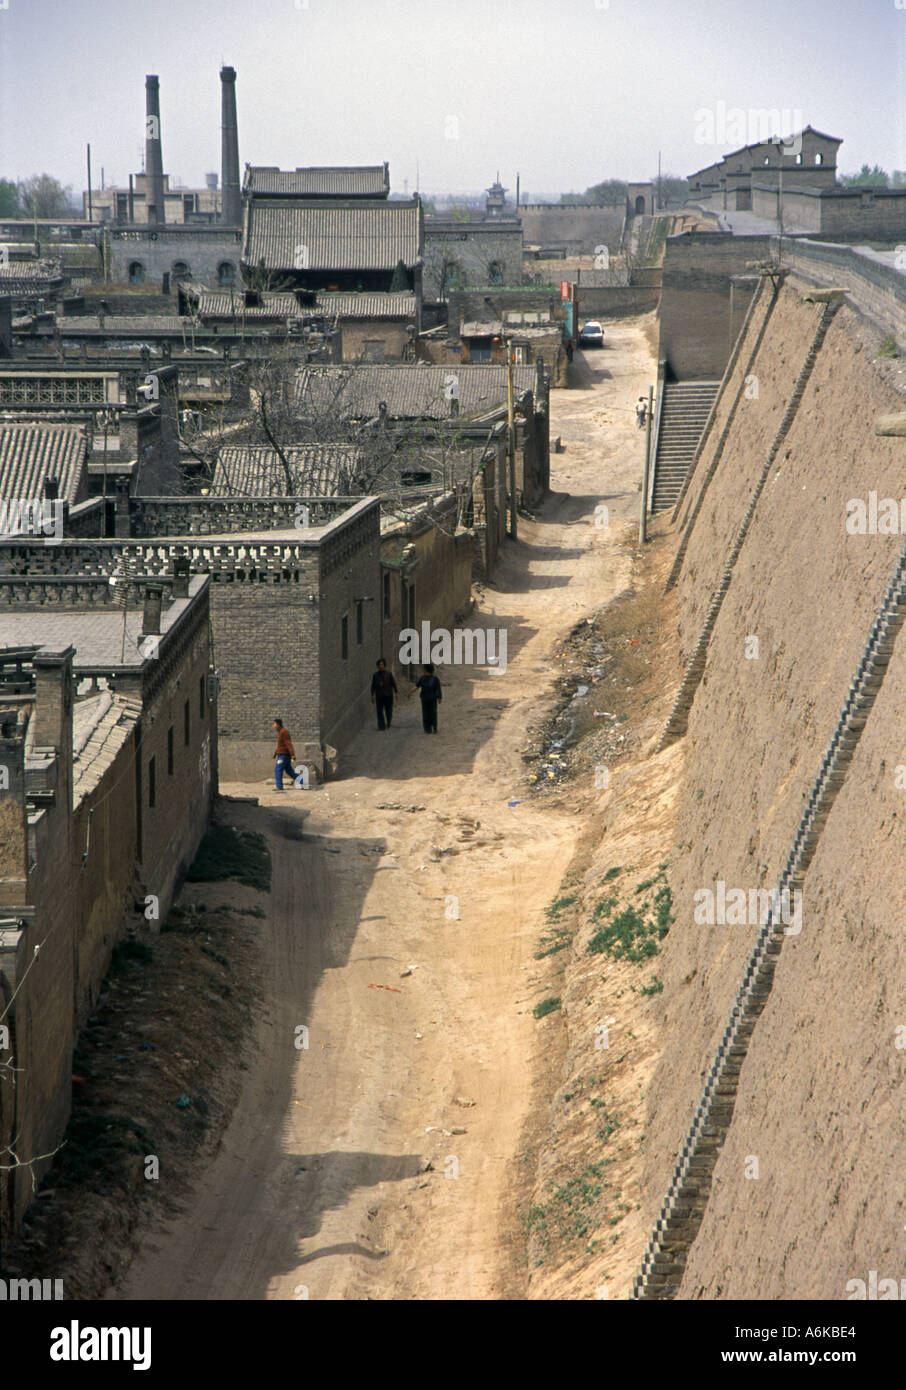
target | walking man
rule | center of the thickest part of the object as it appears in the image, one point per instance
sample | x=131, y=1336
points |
x=284, y=754
x=641, y=410
x=430, y=694
x=383, y=689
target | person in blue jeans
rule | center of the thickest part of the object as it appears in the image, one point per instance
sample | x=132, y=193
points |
x=284, y=754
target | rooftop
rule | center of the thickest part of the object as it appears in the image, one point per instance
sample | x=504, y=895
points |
x=32, y=453
x=355, y=181
x=101, y=636
x=318, y=470
x=325, y=235
x=411, y=392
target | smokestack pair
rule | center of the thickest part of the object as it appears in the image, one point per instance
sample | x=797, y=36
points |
x=231, y=207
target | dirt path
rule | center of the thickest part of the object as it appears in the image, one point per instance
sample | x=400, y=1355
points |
x=320, y=1188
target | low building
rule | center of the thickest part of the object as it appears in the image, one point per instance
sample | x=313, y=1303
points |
x=182, y=206
x=294, y=576
x=460, y=396
x=107, y=734
x=349, y=244
x=373, y=326
x=460, y=254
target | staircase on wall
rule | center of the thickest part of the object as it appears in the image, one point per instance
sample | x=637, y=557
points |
x=684, y=413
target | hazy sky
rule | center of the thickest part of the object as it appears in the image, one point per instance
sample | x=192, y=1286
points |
x=565, y=91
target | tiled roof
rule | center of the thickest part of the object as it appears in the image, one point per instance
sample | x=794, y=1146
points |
x=101, y=725
x=335, y=236
x=319, y=470
x=38, y=273
x=276, y=304
x=220, y=304
x=410, y=392
x=367, y=306
x=29, y=454
x=119, y=325
x=368, y=181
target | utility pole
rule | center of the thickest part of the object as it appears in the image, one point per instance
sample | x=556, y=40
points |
x=658, y=181
x=511, y=436
x=643, y=514
x=90, y=214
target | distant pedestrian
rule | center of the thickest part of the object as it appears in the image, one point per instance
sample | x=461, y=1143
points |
x=383, y=689
x=641, y=411
x=284, y=755
x=430, y=694
x=569, y=349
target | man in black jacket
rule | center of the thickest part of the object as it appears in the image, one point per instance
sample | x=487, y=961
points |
x=383, y=689
x=428, y=687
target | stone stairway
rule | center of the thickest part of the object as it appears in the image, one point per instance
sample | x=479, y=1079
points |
x=680, y=1218
x=685, y=408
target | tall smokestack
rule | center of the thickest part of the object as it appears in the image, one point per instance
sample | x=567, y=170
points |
x=154, y=160
x=231, y=207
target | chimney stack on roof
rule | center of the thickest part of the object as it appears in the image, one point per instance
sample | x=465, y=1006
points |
x=154, y=160
x=231, y=207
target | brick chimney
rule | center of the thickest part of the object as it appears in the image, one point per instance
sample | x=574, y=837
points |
x=181, y=576
x=153, y=602
x=154, y=160
x=231, y=204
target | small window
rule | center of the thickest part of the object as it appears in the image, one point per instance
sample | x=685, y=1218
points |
x=344, y=637
x=386, y=595
x=181, y=270
x=495, y=273
x=819, y=158
x=186, y=724
x=136, y=273
x=799, y=159
x=201, y=693
x=170, y=751
x=226, y=274
x=152, y=782
x=359, y=623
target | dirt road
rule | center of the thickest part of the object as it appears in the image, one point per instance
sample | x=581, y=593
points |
x=407, y=904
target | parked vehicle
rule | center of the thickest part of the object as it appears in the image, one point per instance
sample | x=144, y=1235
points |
x=591, y=334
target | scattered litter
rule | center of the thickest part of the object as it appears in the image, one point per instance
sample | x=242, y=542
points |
x=404, y=973
x=464, y=1101
x=514, y=803
x=184, y=1101
x=392, y=988
x=458, y=1129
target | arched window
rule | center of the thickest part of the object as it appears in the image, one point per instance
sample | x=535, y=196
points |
x=640, y=206
x=136, y=273
x=181, y=270
x=819, y=158
x=226, y=274
x=495, y=273
x=799, y=159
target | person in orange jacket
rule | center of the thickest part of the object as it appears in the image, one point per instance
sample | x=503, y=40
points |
x=284, y=754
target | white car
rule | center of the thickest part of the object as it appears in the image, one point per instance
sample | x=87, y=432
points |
x=591, y=334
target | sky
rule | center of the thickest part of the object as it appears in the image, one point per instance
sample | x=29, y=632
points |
x=564, y=92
